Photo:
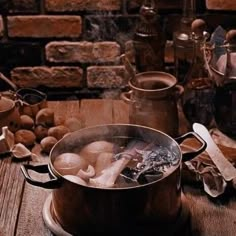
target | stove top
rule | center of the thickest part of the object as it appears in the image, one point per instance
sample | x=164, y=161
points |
x=182, y=226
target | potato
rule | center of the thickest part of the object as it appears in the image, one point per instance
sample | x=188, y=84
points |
x=26, y=122
x=26, y=110
x=91, y=151
x=59, y=120
x=41, y=132
x=26, y=137
x=58, y=131
x=69, y=163
x=47, y=143
x=73, y=124
x=45, y=117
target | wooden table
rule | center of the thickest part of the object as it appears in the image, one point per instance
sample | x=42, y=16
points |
x=21, y=204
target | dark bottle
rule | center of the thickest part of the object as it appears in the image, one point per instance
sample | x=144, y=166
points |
x=199, y=87
x=149, y=44
x=183, y=44
x=225, y=97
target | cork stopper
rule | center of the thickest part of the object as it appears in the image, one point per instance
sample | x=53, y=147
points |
x=198, y=27
x=148, y=11
x=231, y=36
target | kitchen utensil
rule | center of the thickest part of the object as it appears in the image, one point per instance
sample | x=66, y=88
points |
x=227, y=170
x=153, y=101
x=9, y=114
x=81, y=208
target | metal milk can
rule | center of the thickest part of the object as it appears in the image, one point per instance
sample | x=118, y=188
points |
x=152, y=101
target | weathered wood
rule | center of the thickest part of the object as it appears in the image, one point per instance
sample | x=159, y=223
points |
x=11, y=188
x=120, y=112
x=30, y=220
x=96, y=112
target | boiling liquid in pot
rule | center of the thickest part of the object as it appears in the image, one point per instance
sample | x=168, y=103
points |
x=119, y=165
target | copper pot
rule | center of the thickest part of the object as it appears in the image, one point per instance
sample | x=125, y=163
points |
x=9, y=114
x=92, y=209
x=32, y=100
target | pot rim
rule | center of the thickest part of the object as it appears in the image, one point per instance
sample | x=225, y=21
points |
x=175, y=167
x=23, y=93
x=169, y=84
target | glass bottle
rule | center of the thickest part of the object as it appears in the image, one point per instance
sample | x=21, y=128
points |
x=183, y=45
x=225, y=97
x=199, y=87
x=149, y=44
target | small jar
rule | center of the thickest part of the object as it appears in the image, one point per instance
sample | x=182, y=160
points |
x=199, y=89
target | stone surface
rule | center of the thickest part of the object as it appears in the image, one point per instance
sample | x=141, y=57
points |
x=106, y=77
x=53, y=77
x=84, y=52
x=81, y=5
x=20, y=54
x=24, y=6
x=44, y=26
x=1, y=27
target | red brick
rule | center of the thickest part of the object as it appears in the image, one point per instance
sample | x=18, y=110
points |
x=44, y=26
x=1, y=27
x=53, y=77
x=106, y=77
x=221, y=5
x=82, y=5
x=84, y=52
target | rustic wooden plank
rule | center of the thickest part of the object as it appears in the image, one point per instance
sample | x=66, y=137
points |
x=11, y=188
x=96, y=112
x=120, y=112
x=30, y=218
x=64, y=110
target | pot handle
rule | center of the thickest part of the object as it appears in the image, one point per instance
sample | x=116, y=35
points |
x=125, y=96
x=54, y=181
x=190, y=155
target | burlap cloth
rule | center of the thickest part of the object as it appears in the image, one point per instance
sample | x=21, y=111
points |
x=202, y=171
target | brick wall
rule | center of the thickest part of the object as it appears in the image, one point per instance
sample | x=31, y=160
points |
x=75, y=45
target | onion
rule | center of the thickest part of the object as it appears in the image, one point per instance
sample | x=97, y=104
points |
x=69, y=163
x=92, y=150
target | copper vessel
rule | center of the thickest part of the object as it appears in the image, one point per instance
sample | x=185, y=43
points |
x=153, y=101
x=87, y=209
x=9, y=114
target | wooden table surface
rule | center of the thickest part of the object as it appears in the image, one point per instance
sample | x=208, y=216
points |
x=21, y=204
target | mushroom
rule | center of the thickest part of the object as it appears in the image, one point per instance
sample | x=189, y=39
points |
x=86, y=174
